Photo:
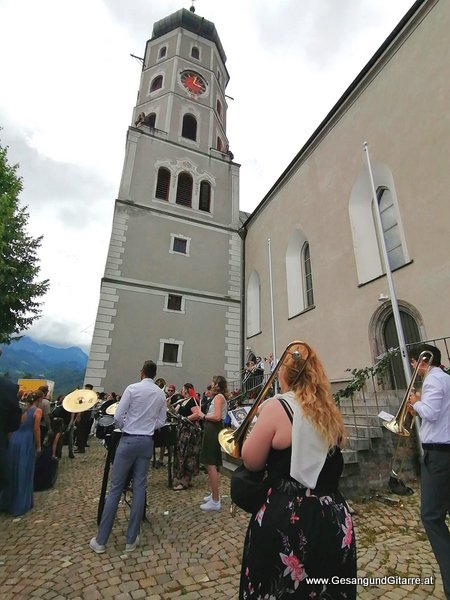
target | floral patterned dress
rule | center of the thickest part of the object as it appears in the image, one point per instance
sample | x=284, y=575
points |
x=187, y=450
x=298, y=534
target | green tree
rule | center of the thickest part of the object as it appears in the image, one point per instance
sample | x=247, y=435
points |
x=19, y=265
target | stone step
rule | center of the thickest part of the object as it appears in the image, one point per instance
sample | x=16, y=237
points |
x=228, y=464
x=355, y=443
x=371, y=401
x=364, y=432
x=362, y=408
x=349, y=456
x=382, y=399
x=363, y=420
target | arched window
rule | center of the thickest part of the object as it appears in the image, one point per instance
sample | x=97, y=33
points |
x=308, y=294
x=219, y=108
x=390, y=228
x=156, y=83
x=253, y=305
x=162, y=52
x=204, y=202
x=150, y=120
x=298, y=274
x=189, y=129
x=365, y=234
x=411, y=334
x=184, y=190
x=195, y=52
x=219, y=144
x=163, y=184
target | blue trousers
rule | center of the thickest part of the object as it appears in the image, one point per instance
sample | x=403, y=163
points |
x=133, y=452
x=435, y=505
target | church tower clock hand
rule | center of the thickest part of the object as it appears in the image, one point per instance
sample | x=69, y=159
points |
x=193, y=82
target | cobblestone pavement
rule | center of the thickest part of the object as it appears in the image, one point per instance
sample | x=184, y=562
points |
x=183, y=552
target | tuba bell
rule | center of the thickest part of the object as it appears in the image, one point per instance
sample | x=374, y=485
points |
x=231, y=440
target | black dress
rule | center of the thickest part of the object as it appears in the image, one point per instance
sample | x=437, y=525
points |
x=297, y=534
x=189, y=437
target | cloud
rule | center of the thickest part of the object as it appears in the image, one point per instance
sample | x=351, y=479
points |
x=60, y=333
x=48, y=183
x=139, y=18
x=68, y=90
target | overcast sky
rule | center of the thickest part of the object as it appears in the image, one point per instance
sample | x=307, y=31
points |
x=68, y=86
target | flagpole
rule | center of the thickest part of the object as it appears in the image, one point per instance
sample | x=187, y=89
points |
x=387, y=268
x=274, y=349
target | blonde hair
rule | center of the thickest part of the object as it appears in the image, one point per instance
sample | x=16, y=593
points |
x=305, y=376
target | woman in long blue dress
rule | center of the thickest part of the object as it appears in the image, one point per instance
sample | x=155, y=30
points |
x=23, y=445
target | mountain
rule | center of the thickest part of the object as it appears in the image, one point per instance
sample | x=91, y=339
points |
x=28, y=359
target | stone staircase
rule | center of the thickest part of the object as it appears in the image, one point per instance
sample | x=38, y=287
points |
x=360, y=415
x=370, y=446
x=362, y=425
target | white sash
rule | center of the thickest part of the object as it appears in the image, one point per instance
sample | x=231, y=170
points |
x=309, y=449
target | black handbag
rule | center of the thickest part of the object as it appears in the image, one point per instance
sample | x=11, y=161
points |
x=248, y=489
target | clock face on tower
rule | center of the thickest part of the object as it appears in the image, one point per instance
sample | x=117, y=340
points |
x=193, y=82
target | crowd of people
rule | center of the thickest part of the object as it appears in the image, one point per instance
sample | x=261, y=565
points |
x=302, y=529
x=143, y=410
x=199, y=422
x=254, y=373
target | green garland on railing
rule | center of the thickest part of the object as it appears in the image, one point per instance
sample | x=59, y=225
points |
x=360, y=376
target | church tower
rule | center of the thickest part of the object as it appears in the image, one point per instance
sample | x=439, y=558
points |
x=171, y=290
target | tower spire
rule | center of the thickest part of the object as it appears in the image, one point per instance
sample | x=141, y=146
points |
x=192, y=9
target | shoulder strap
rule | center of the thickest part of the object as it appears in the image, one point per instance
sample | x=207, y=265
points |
x=287, y=408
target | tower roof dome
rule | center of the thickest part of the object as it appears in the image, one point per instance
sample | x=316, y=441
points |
x=192, y=22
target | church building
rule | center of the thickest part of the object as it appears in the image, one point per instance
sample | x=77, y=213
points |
x=171, y=290
x=187, y=280
x=329, y=282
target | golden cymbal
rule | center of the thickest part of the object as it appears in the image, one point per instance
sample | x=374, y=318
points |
x=112, y=408
x=80, y=400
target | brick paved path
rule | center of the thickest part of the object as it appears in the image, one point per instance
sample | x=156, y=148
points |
x=184, y=553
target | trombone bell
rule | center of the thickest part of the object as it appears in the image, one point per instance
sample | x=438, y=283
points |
x=228, y=443
x=398, y=424
x=395, y=427
x=231, y=440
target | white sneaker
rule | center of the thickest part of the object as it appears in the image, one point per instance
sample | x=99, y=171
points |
x=96, y=547
x=206, y=498
x=133, y=546
x=211, y=505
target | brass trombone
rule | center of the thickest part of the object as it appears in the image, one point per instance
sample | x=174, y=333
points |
x=399, y=426
x=231, y=440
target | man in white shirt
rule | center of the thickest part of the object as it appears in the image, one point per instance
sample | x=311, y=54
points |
x=141, y=410
x=433, y=408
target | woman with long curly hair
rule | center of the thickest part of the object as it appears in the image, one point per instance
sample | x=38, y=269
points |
x=304, y=528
